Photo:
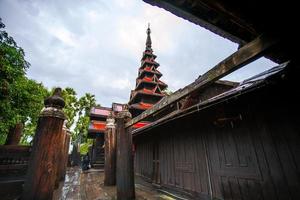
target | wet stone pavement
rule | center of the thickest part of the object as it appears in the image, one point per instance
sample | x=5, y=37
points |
x=89, y=185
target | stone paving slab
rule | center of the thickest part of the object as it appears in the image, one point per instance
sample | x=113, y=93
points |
x=89, y=185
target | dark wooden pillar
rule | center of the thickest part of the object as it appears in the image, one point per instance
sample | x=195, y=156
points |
x=75, y=155
x=66, y=154
x=91, y=153
x=98, y=152
x=61, y=152
x=42, y=166
x=110, y=152
x=125, y=173
x=14, y=134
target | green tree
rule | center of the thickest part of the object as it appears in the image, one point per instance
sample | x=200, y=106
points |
x=84, y=106
x=70, y=109
x=21, y=99
x=31, y=97
x=77, y=111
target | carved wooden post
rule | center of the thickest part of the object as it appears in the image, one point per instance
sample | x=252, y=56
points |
x=75, y=155
x=60, y=151
x=66, y=154
x=14, y=135
x=110, y=152
x=125, y=173
x=44, y=157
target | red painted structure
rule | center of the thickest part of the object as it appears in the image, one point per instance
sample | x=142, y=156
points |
x=97, y=126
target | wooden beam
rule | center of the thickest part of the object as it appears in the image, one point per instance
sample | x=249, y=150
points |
x=248, y=53
x=198, y=15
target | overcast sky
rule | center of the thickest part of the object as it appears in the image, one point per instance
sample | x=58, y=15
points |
x=96, y=46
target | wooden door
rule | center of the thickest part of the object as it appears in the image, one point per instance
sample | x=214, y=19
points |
x=234, y=166
x=156, y=169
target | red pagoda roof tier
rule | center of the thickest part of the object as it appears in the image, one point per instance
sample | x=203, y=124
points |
x=99, y=113
x=141, y=82
x=143, y=72
x=138, y=93
x=148, y=69
x=141, y=124
x=97, y=126
x=147, y=78
x=152, y=78
x=141, y=106
x=155, y=90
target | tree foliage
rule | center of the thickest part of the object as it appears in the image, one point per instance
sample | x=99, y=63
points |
x=70, y=97
x=21, y=99
x=77, y=111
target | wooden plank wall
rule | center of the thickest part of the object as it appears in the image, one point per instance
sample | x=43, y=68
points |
x=248, y=148
x=181, y=164
x=143, y=159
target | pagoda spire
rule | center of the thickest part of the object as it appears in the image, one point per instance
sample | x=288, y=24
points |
x=148, y=41
x=148, y=89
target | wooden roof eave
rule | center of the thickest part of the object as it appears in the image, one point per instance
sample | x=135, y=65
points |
x=157, y=73
x=143, y=93
x=161, y=84
x=97, y=117
x=133, y=106
x=242, y=21
x=156, y=64
x=149, y=54
x=201, y=12
x=95, y=131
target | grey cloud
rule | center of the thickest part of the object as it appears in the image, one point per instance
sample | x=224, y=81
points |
x=90, y=57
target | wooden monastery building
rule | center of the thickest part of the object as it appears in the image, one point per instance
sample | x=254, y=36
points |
x=224, y=140
x=211, y=140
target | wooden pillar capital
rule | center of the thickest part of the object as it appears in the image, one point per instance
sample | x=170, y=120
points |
x=54, y=105
x=125, y=114
x=110, y=121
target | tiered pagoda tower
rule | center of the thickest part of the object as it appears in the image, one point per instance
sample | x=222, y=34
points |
x=148, y=90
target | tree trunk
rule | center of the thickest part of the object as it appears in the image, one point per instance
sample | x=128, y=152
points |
x=14, y=134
